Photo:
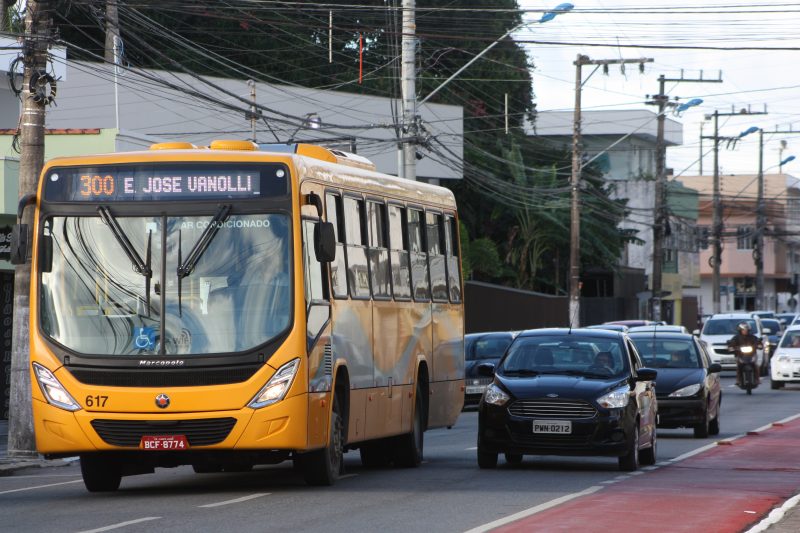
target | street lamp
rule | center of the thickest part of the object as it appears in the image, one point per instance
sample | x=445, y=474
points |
x=790, y=158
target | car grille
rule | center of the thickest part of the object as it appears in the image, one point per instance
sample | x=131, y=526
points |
x=552, y=408
x=201, y=432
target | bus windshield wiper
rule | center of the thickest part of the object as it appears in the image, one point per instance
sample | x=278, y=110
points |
x=199, y=248
x=142, y=267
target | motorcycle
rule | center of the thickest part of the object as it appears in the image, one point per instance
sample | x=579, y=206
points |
x=746, y=357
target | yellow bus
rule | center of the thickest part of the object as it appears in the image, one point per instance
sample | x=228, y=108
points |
x=231, y=306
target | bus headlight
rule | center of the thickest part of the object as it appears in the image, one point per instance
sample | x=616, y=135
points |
x=54, y=391
x=277, y=386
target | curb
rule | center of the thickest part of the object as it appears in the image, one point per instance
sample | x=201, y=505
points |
x=9, y=466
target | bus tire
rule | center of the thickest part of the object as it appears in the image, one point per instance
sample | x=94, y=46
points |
x=322, y=467
x=409, y=447
x=99, y=474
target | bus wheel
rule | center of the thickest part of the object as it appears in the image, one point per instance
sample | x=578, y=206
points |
x=100, y=475
x=322, y=467
x=409, y=447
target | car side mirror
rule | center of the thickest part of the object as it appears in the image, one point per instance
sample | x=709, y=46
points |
x=646, y=374
x=324, y=242
x=20, y=242
x=486, y=370
x=696, y=332
x=714, y=368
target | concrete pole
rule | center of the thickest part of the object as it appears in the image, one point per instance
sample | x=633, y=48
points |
x=717, y=222
x=21, y=441
x=409, y=90
x=112, y=30
x=758, y=253
x=660, y=208
x=575, y=213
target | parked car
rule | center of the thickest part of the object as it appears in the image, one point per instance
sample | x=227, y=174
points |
x=609, y=327
x=569, y=392
x=786, y=319
x=785, y=367
x=481, y=348
x=688, y=385
x=763, y=314
x=720, y=328
x=658, y=328
x=772, y=334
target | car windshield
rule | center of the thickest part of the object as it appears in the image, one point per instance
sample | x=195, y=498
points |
x=667, y=353
x=488, y=347
x=773, y=325
x=233, y=297
x=791, y=339
x=727, y=326
x=592, y=357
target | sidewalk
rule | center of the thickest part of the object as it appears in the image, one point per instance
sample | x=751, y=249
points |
x=10, y=465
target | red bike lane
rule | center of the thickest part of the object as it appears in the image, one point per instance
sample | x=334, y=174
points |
x=727, y=488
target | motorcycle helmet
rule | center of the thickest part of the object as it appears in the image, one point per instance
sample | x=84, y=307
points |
x=743, y=327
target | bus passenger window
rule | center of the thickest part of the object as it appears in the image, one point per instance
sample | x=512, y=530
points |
x=378, y=250
x=333, y=212
x=453, y=265
x=398, y=243
x=357, y=268
x=418, y=256
x=436, y=259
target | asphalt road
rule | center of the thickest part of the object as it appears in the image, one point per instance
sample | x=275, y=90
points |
x=447, y=493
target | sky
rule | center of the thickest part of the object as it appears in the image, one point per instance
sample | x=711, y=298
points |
x=751, y=78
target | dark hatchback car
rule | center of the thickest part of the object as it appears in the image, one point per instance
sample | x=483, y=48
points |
x=481, y=348
x=569, y=392
x=688, y=385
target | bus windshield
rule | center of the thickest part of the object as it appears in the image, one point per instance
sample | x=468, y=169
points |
x=234, y=293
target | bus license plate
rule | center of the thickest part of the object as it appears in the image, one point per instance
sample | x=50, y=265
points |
x=552, y=426
x=164, y=442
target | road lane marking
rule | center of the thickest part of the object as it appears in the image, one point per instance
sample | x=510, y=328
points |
x=470, y=449
x=236, y=500
x=121, y=524
x=534, y=510
x=41, y=486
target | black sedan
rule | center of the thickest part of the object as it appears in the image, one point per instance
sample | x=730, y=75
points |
x=481, y=348
x=688, y=386
x=569, y=392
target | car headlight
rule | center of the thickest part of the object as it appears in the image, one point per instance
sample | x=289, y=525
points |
x=783, y=358
x=53, y=390
x=691, y=390
x=616, y=399
x=495, y=395
x=277, y=386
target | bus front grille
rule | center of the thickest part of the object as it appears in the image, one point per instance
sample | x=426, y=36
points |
x=200, y=432
x=184, y=377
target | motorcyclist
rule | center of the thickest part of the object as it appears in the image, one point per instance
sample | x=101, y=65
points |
x=744, y=338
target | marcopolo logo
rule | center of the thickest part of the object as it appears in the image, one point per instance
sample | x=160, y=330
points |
x=162, y=401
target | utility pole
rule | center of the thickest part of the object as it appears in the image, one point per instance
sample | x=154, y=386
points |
x=660, y=211
x=408, y=169
x=21, y=442
x=112, y=31
x=575, y=180
x=716, y=237
x=758, y=253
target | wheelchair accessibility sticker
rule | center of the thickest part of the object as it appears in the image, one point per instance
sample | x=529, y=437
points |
x=144, y=338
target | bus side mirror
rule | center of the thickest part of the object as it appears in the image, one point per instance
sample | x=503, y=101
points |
x=20, y=240
x=46, y=253
x=324, y=242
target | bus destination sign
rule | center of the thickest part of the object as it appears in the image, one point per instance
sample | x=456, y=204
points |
x=125, y=184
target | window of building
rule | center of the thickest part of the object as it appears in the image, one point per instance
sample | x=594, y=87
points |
x=745, y=236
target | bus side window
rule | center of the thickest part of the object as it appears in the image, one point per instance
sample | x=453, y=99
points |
x=453, y=265
x=357, y=267
x=398, y=242
x=334, y=214
x=418, y=256
x=378, y=250
x=436, y=258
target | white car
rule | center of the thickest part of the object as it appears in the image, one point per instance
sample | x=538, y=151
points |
x=785, y=364
x=721, y=328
